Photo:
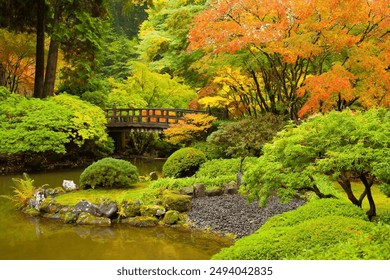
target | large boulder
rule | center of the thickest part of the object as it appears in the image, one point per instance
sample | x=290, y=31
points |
x=88, y=207
x=171, y=217
x=176, y=201
x=109, y=209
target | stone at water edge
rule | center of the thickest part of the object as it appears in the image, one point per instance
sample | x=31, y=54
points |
x=153, y=176
x=69, y=185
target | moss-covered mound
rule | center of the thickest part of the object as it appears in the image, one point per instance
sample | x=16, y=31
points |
x=109, y=173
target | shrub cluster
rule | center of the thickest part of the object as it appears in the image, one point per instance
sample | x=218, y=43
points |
x=109, y=173
x=321, y=229
x=183, y=163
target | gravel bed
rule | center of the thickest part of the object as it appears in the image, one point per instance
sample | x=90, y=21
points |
x=232, y=213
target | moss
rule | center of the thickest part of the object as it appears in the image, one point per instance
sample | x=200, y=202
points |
x=152, y=210
x=171, y=217
x=129, y=209
x=141, y=221
x=70, y=217
x=176, y=201
x=31, y=211
x=89, y=219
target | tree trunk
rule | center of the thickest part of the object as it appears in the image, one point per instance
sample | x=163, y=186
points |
x=40, y=50
x=52, y=59
x=345, y=183
x=367, y=184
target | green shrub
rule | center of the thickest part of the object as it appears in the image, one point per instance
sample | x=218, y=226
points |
x=223, y=167
x=183, y=163
x=293, y=242
x=211, y=150
x=385, y=188
x=316, y=209
x=180, y=183
x=109, y=173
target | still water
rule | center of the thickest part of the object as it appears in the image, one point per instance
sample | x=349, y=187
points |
x=31, y=238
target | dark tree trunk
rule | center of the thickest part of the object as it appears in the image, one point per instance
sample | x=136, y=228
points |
x=368, y=184
x=345, y=183
x=52, y=59
x=40, y=50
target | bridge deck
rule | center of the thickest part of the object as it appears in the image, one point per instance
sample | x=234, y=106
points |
x=146, y=118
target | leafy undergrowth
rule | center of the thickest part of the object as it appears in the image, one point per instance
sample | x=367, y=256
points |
x=139, y=191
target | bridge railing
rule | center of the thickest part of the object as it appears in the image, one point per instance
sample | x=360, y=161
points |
x=153, y=117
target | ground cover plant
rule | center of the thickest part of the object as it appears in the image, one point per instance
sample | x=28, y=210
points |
x=329, y=229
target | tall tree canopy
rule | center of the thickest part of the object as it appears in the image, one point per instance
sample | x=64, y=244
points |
x=303, y=56
x=73, y=25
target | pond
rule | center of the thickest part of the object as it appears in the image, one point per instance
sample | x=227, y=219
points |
x=32, y=238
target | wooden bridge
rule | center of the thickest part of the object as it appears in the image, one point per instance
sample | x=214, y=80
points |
x=120, y=121
x=146, y=119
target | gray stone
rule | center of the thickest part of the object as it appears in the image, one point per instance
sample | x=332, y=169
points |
x=153, y=176
x=36, y=201
x=69, y=185
x=231, y=188
x=214, y=192
x=108, y=209
x=199, y=190
x=88, y=207
x=187, y=191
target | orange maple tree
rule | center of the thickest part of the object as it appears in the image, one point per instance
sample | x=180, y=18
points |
x=307, y=55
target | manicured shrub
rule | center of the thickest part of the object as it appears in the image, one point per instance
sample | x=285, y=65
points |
x=316, y=209
x=183, y=163
x=109, y=173
x=293, y=242
x=385, y=188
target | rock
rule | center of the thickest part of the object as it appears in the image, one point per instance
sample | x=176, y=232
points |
x=199, y=190
x=130, y=209
x=153, y=176
x=69, y=185
x=53, y=192
x=89, y=219
x=152, y=210
x=36, y=201
x=176, y=201
x=108, y=209
x=187, y=191
x=171, y=217
x=141, y=221
x=88, y=207
x=70, y=217
x=49, y=206
x=214, y=192
x=231, y=188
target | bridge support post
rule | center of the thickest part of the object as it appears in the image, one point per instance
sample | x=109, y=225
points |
x=119, y=139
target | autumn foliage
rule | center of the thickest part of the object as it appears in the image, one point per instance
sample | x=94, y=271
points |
x=307, y=55
x=194, y=127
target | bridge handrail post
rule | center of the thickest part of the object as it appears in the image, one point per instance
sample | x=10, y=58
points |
x=113, y=118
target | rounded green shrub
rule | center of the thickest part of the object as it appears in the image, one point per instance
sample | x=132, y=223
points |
x=296, y=241
x=109, y=173
x=183, y=163
x=316, y=209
